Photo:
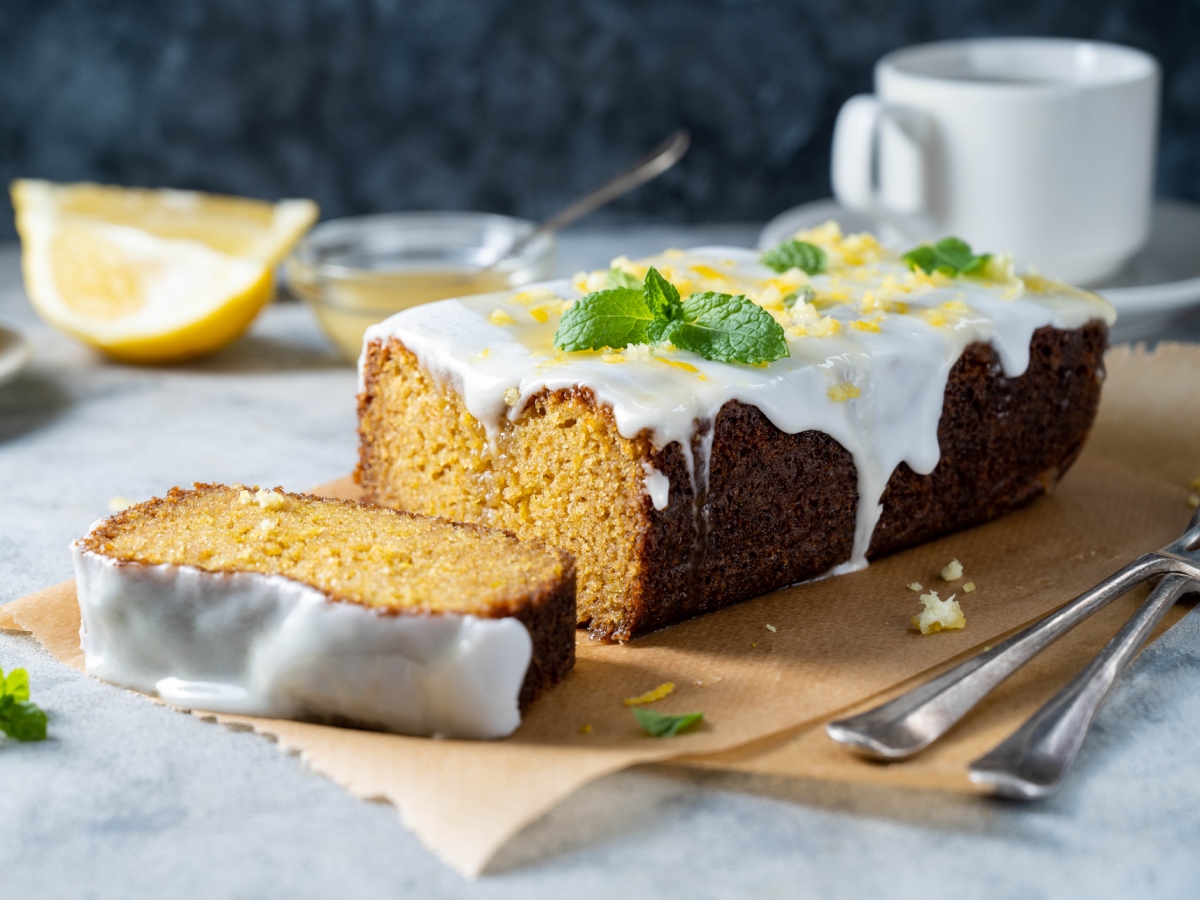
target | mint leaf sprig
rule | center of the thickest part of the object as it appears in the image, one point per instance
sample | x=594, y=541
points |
x=724, y=327
x=20, y=719
x=665, y=724
x=951, y=256
x=795, y=254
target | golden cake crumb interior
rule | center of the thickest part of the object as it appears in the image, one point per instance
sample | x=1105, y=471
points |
x=561, y=472
x=369, y=555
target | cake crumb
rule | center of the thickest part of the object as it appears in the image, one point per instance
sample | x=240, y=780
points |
x=916, y=586
x=939, y=614
x=968, y=587
x=1194, y=501
x=585, y=729
x=772, y=628
x=708, y=679
x=245, y=498
x=270, y=499
x=650, y=696
x=118, y=503
x=752, y=644
x=267, y=524
x=953, y=571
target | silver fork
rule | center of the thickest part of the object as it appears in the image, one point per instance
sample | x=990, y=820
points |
x=1034, y=761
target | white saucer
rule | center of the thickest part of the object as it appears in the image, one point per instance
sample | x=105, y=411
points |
x=14, y=354
x=1160, y=283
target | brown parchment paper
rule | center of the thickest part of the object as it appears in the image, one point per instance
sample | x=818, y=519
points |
x=1149, y=423
x=837, y=643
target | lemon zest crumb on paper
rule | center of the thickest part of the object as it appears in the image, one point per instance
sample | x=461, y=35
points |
x=650, y=696
x=952, y=571
x=939, y=614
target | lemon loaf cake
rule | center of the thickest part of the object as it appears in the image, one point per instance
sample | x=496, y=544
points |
x=799, y=413
x=267, y=603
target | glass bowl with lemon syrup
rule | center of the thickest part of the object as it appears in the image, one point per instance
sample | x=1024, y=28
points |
x=357, y=271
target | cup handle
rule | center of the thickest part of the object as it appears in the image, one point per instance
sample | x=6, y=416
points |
x=864, y=125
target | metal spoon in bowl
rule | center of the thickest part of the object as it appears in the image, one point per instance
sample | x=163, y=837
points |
x=645, y=169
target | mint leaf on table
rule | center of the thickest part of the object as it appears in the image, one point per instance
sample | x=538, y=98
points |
x=795, y=254
x=950, y=256
x=729, y=329
x=614, y=318
x=665, y=724
x=23, y=721
x=15, y=685
x=20, y=719
x=618, y=278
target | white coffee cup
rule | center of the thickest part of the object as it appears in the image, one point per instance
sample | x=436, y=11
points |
x=1039, y=146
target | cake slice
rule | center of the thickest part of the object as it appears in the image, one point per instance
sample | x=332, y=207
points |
x=268, y=603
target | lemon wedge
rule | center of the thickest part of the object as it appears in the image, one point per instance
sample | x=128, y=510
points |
x=151, y=276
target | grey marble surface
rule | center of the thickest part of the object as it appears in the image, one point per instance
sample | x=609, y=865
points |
x=131, y=800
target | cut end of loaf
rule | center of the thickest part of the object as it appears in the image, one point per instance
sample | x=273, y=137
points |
x=561, y=473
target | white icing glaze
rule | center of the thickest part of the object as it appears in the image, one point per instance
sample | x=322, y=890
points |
x=265, y=645
x=898, y=357
x=658, y=486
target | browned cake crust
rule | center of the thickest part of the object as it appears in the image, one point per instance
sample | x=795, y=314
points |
x=781, y=507
x=547, y=611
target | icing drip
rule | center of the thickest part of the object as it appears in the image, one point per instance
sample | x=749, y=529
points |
x=658, y=487
x=868, y=365
x=265, y=645
x=701, y=456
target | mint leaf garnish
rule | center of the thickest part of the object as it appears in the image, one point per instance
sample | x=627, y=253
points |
x=728, y=328
x=19, y=719
x=720, y=327
x=950, y=256
x=665, y=724
x=615, y=318
x=618, y=278
x=661, y=296
x=662, y=299
x=795, y=254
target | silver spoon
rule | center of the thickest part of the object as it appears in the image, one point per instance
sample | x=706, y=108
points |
x=645, y=169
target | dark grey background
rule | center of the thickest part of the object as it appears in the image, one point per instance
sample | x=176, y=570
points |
x=500, y=105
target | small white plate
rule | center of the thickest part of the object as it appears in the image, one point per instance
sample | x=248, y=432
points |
x=1159, y=284
x=14, y=354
